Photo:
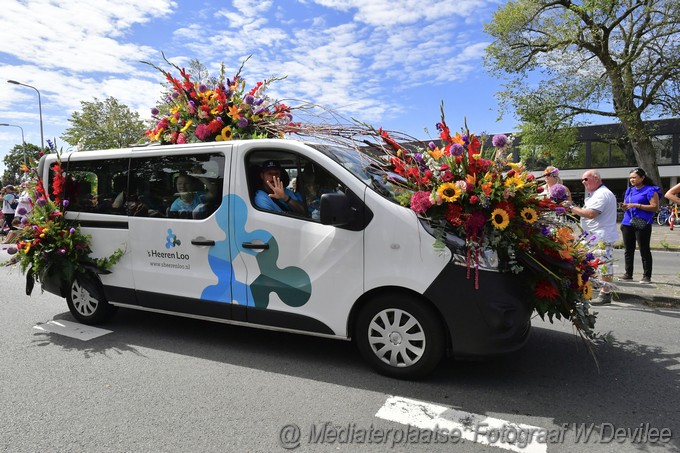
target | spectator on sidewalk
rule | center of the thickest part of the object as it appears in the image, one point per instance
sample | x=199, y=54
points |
x=598, y=218
x=640, y=201
x=9, y=203
x=673, y=193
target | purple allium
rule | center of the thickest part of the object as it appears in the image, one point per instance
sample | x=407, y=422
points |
x=42, y=201
x=65, y=203
x=175, y=95
x=71, y=230
x=242, y=122
x=155, y=111
x=432, y=146
x=499, y=141
x=249, y=99
x=202, y=88
x=21, y=210
x=457, y=149
x=24, y=221
x=558, y=193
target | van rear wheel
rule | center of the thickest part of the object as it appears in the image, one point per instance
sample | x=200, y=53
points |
x=400, y=336
x=86, y=301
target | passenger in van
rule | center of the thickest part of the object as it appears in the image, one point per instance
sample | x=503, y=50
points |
x=273, y=195
x=190, y=196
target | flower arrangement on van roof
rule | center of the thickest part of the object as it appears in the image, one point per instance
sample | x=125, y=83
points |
x=477, y=194
x=195, y=112
x=50, y=244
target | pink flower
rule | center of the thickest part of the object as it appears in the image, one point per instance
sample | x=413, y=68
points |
x=447, y=176
x=202, y=132
x=474, y=199
x=420, y=202
x=181, y=138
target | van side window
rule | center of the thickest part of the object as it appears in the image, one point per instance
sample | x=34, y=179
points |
x=304, y=180
x=96, y=186
x=178, y=186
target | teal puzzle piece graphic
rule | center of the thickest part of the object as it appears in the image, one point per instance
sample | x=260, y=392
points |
x=291, y=284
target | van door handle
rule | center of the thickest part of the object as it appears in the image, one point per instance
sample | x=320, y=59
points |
x=202, y=242
x=250, y=245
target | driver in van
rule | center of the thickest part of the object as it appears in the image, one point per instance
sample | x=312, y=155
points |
x=273, y=196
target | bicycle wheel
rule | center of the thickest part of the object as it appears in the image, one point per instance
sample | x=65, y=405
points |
x=662, y=216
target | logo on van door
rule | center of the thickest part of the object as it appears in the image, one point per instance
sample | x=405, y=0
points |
x=171, y=240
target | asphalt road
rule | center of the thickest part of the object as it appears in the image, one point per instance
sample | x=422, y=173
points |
x=158, y=383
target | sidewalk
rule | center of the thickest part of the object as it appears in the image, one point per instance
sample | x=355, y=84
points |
x=664, y=291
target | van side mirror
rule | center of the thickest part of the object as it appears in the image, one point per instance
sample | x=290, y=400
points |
x=335, y=209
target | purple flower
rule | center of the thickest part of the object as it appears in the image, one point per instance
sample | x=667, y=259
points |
x=432, y=146
x=175, y=94
x=24, y=221
x=65, y=203
x=558, y=193
x=12, y=250
x=71, y=230
x=249, y=99
x=41, y=201
x=499, y=141
x=62, y=251
x=202, y=88
x=457, y=149
x=418, y=157
x=259, y=101
x=243, y=122
x=22, y=211
x=155, y=111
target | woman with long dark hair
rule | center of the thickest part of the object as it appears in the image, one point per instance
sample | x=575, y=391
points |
x=640, y=202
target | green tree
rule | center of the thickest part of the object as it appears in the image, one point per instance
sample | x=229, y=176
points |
x=564, y=59
x=103, y=125
x=15, y=159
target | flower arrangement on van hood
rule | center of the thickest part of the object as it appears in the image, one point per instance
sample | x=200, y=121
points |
x=196, y=112
x=477, y=194
x=50, y=244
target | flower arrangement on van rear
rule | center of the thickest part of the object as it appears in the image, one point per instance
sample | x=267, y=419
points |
x=479, y=195
x=196, y=112
x=50, y=244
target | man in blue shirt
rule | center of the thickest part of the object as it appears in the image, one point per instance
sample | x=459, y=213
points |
x=273, y=196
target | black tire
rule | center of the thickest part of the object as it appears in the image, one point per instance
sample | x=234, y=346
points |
x=410, y=347
x=86, y=301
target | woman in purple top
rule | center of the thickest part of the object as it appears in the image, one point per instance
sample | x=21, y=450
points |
x=640, y=200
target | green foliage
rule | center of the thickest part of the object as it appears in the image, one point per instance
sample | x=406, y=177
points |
x=104, y=125
x=14, y=159
x=565, y=59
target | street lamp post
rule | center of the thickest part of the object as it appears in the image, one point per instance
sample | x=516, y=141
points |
x=23, y=142
x=42, y=142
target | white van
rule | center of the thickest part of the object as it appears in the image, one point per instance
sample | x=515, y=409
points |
x=356, y=265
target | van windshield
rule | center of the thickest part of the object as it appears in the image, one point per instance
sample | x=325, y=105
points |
x=367, y=166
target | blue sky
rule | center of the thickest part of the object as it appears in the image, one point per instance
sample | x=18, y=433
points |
x=386, y=62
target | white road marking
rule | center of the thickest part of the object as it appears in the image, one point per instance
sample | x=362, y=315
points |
x=72, y=329
x=473, y=427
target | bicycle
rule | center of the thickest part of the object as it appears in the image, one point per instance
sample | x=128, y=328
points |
x=663, y=214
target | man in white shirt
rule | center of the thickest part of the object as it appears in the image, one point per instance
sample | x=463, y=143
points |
x=598, y=218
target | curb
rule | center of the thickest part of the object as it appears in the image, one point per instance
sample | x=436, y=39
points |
x=651, y=300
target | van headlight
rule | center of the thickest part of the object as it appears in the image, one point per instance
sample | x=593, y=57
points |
x=488, y=259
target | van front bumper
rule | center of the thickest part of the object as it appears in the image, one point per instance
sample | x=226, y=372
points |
x=493, y=319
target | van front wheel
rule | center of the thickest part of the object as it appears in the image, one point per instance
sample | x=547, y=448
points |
x=400, y=337
x=86, y=301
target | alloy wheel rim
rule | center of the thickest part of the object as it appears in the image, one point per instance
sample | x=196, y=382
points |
x=396, y=337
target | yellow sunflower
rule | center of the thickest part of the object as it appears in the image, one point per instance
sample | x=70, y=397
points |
x=587, y=291
x=449, y=192
x=514, y=181
x=529, y=215
x=226, y=133
x=500, y=219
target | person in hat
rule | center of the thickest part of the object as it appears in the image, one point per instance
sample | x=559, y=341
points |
x=273, y=196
